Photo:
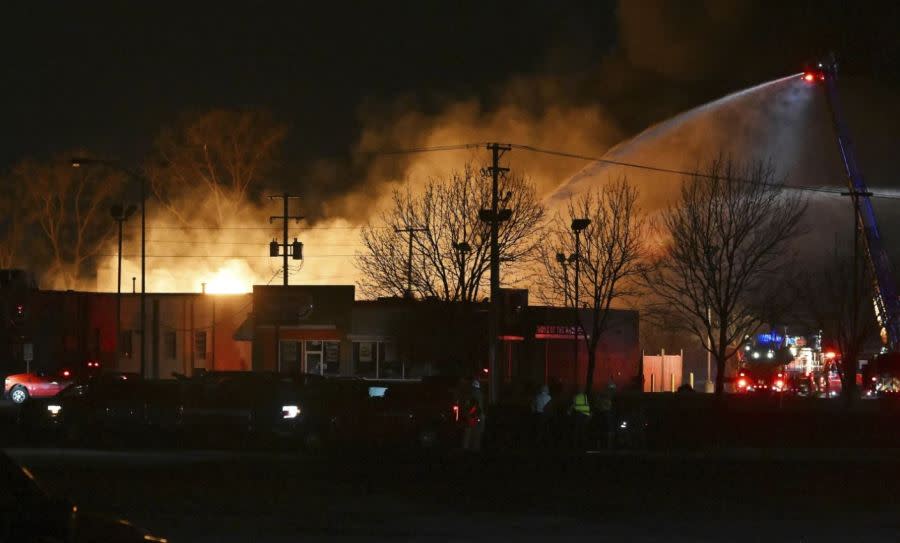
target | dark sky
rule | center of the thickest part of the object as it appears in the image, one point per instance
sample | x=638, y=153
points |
x=110, y=77
x=106, y=77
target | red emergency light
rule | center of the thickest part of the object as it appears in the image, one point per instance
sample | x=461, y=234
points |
x=809, y=77
x=742, y=383
x=830, y=355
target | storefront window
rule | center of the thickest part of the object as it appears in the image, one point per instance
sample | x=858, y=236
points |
x=365, y=359
x=375, y=359
x=289, y=357
x=332, y=358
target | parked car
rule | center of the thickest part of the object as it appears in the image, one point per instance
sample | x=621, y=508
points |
x=28, y=513
x=113, y=407
x=19, y=387
x=228, y=406
x=378, y=413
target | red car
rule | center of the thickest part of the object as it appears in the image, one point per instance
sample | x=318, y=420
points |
x=21, y=386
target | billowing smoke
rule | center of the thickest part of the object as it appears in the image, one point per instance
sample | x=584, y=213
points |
x=669, y=58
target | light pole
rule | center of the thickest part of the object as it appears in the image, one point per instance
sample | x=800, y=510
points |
x=78, y=162
x=120, y=214
x=564, y=262
x=578, y=226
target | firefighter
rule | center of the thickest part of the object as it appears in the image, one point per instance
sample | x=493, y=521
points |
x=580, y=410
x=473, y=413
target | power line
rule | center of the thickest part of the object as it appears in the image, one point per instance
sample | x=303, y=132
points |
x=254, y=243
x=435, y=148
x=224, y=256
x=690, y=173
x=269, y=228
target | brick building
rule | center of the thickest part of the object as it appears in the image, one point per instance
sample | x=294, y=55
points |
x=315, y=329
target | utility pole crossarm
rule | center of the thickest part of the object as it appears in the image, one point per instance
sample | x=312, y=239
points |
x=285, y=217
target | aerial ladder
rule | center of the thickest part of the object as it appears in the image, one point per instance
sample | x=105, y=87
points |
x=887, y=305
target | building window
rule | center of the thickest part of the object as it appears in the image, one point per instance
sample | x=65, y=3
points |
x=289, y=356
x=322, y=357
x=171, y=345
x=125, y=343
x=374, y=359
x=200, y=344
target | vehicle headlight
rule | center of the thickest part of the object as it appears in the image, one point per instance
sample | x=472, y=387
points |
x=54, y=409
x=624, y=424
x=290, y=411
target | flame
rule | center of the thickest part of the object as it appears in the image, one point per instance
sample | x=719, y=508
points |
x=229, y=279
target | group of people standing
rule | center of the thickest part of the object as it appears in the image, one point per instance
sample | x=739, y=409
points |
x=584, y=416
x=586, y=421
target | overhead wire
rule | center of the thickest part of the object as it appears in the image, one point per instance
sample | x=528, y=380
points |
x=627, y=164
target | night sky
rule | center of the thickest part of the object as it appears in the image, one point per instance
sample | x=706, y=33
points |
x=106, y=77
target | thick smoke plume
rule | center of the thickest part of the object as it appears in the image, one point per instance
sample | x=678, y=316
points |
x=669, y=58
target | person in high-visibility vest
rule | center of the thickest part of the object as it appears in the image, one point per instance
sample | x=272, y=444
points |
x=581, y=413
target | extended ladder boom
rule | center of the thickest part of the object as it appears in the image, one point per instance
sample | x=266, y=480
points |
x=887, y=305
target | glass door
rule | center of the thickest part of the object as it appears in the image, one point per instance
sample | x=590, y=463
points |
x=313, y=355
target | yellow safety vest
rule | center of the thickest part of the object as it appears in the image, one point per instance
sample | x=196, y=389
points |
x=580, y=404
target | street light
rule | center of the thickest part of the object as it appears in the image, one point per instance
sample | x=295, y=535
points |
x=78, y=162
x=578, y=226
x=564, y=262
x=120, y=214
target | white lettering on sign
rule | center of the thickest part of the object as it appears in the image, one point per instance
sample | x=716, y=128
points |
x=556, y=331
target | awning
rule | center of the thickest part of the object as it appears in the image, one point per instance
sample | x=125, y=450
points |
x=244, y=332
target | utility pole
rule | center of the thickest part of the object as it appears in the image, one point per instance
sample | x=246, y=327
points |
x=578, y=226
x=495, y=216
x=295, y=250
x=297, y=247
x=854, y=301
x=120, y=214
x=411, y=232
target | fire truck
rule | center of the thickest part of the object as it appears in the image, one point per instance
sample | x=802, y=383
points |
x=778, y=362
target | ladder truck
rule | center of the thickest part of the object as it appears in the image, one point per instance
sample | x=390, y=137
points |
x=886, y=302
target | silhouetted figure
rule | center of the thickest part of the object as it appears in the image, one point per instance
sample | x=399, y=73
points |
x=473, y=413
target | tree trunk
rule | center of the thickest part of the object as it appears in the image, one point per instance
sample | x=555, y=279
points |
x=592, y=361
x=720, y=375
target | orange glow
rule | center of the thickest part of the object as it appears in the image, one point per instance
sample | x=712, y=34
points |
x=808, y=77
x=830, y=355
x=229, y=280
x=742, y=383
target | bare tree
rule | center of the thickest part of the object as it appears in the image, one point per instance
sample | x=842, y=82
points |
x=838, y=299
x=451, y=245
x=14, y=221
x=610, y=257
x=71, y=208
x=220, y=154
x=726, y=251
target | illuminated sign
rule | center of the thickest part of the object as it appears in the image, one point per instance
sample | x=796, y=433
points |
x=769, y=338
x=556, y=331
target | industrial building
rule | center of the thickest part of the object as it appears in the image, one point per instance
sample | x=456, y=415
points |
x=313, y=329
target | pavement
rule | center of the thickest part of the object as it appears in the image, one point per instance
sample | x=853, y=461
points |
x=274, y=496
